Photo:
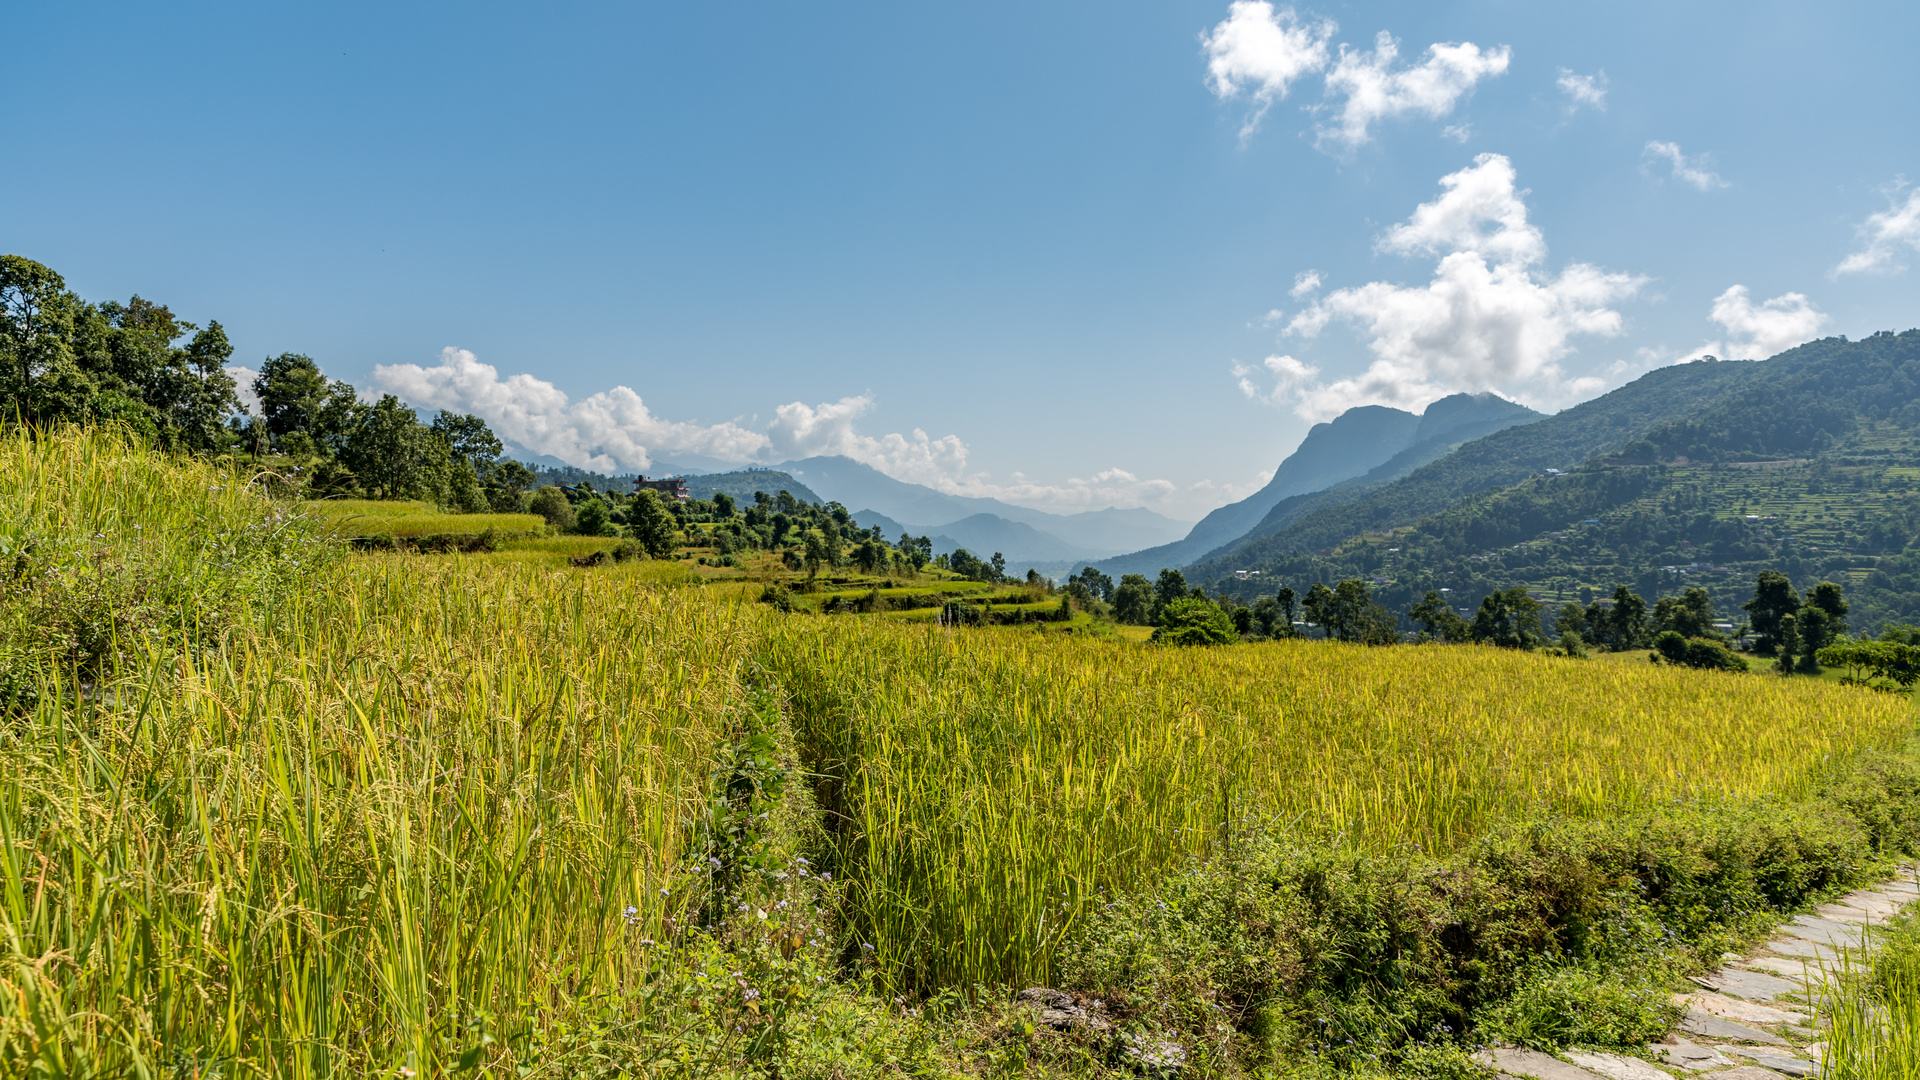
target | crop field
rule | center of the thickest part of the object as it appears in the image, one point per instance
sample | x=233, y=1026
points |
x=357, y=809
x=996, y=782
x=362, y=517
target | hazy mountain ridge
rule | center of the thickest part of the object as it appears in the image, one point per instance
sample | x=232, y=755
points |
x=1794, y=404
x=1045, y=537
x=1367, y=441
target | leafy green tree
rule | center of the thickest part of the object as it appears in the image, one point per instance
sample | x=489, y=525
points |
x=869, y=556
x=652, y=525
x=1192, y=621
x=37, y=316
x=394, y=455
x=504, y=483
x=551, y=503
x=1621, y=626
x=1895, y=659
x=817, y=554
x=999, y=565
x=1509, y=619
x=1171, y=586
x=723, y=505
x=1091, y=584
x=1438, y=621
x=1826, y=596
x=1690, y=615
x=1133, y=600
x=1774, y=598
x=1349, y=613
x=468, y=438
x=1788, y=630
x=293, y=396
x=593, y=517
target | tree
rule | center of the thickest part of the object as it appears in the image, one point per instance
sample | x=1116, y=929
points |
x=503, y=482
x=1774, y=598
x=593, y=518
x=1192, y=621
x=1509, y=619
x=1171, y=586
x=1133, y=600
x=1349, y=613
x=293, y=394
x=37, y=316
x=394, y=455
x=1690, y=616
x=651, y=524
x=1826, y=596
x=1092, y=583
x=817, y=553
x=870, y=556
x=999, y=565
x=1622, y=626
x=1438, y=621
x=723, y=505
x=551, y=503
x=468, y=438
x=1272, y=616
x=1895, y=659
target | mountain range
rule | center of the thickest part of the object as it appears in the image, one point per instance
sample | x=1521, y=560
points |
x=1367, y=441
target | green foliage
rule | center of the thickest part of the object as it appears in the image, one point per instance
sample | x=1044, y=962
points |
x=1706, y=653
x=1133, y=600
x=1349, y=613
x=1438, y=621
x=1895, y=661
x=651, y=525
x=593, y=518
x=1547, y=932
x=1509, y=619
x=551, y=503
x=1194, y=621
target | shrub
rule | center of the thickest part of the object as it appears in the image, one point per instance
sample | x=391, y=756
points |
x=1704, y=653
x=551, y=503
x=1193, y=621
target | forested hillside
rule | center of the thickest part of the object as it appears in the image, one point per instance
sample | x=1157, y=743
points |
x=1812, y=468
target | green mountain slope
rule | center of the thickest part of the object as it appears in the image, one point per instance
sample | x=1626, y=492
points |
x=1561, y=441
x=1812, y=468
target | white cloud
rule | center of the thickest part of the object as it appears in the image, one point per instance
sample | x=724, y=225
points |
x=1375, y=91
x=1691, y=171
x=1583, y=89
x=610, y=431
x=1260, y=51
x=1755, y=333
x=243, y=388
x=1287, y=374
x=1885, y=234
x=614, y=431
x=1489, y=319
x=1304, y=282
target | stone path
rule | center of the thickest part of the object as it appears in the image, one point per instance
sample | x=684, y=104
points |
x=1750, y=1020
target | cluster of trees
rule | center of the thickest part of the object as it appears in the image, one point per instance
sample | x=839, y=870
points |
x=64, y=359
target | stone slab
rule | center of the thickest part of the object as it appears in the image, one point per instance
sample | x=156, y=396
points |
x=1691, y=1056
x=1825, y=931
x=1874, y=902
x=1615, y=1066
x=1708, y=1026
x=1734, y=1009
x=1531, y=1063
x=1803, y=972
x=1746, y=1072
x=1780, y=1063
x=1806, y=950
x=1752, y=985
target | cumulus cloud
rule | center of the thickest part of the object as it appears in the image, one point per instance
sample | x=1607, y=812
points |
x=1757, y=332
x=609, y=431
x=1374, y=90
x=1885, y=233
x=1583, y=89
x=614, y=431
x=1260, y=51
x=243, y=388
x=1305, y=283
x=1490, y=318
x=1690, y=171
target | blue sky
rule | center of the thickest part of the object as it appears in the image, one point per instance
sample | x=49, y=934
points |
x=1036, y=251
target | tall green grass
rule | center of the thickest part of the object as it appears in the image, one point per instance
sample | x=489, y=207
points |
x=988, y=785
x=439, y=800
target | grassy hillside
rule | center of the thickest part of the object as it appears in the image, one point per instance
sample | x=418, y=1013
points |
x=297, y=814
x=1561, y=441
x=1795, y=473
